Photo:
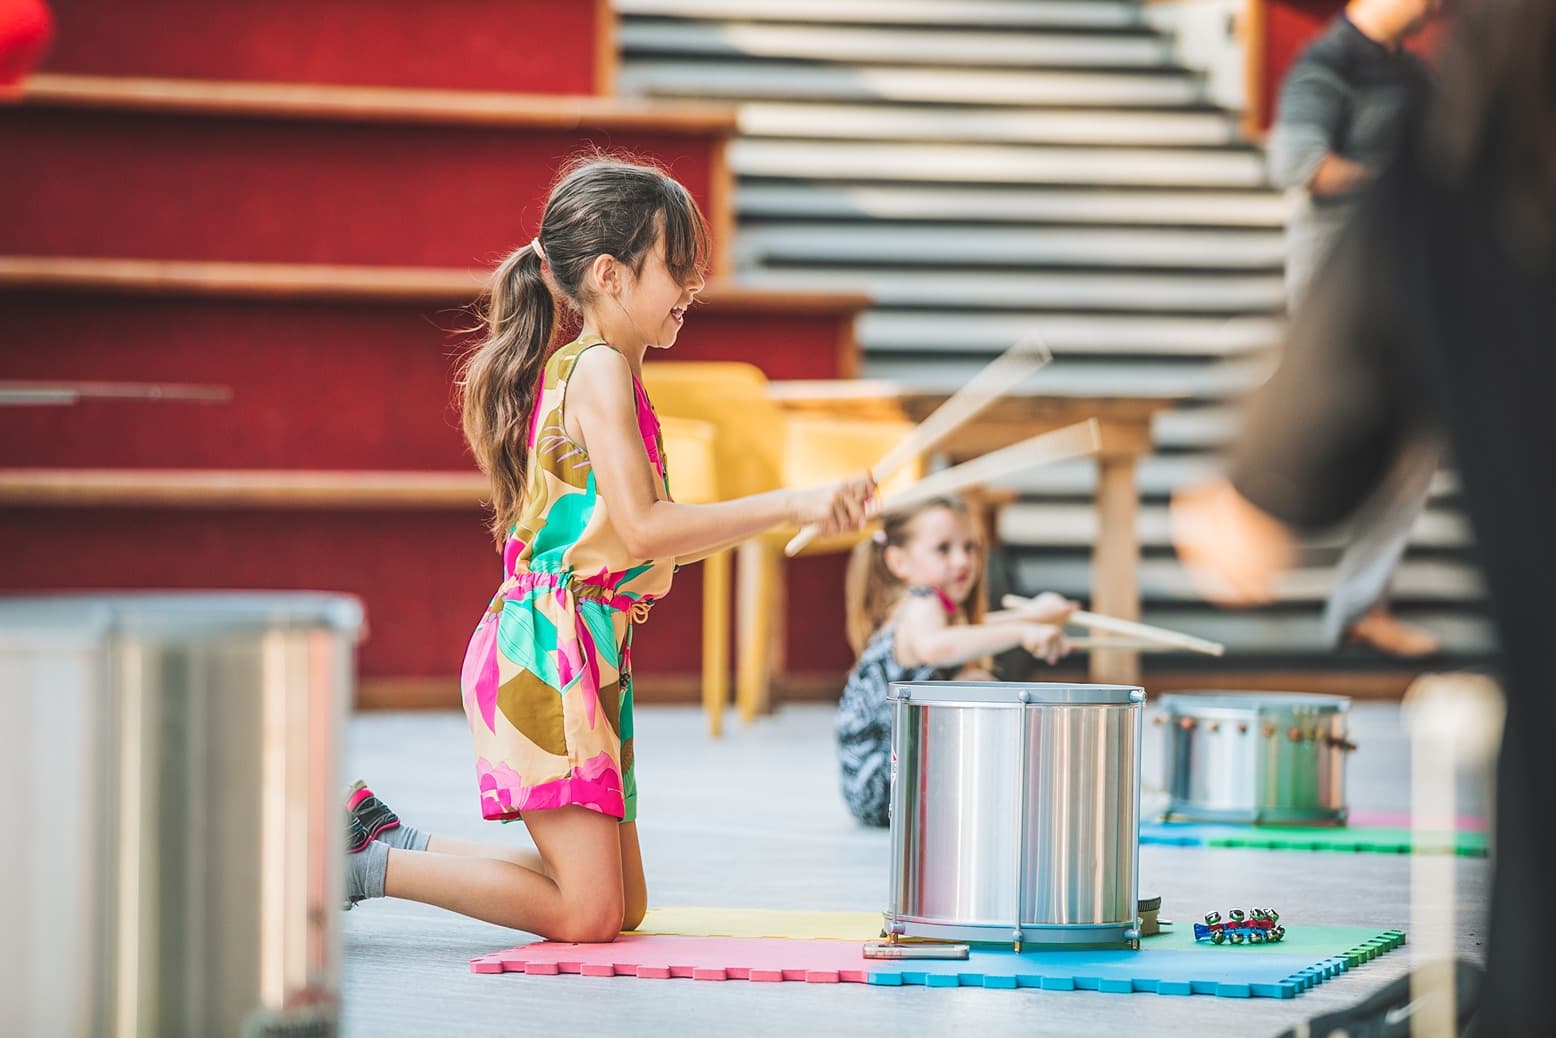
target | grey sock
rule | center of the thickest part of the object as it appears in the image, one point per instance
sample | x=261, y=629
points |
x=405, y=838
x=365, y=872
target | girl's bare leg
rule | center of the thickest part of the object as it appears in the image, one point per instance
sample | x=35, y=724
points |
x=634, y=887
x=580, y=897
x=470, y=849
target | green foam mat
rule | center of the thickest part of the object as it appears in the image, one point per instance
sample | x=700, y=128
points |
x=1365, y=839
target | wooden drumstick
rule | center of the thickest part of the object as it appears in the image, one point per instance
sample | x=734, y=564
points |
x=1000, y=376
x=1071, y=441
x=1099, y=622
x=1132, y=644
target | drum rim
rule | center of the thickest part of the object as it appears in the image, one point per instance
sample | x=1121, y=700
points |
x=1009, y=693
x=1193, y=702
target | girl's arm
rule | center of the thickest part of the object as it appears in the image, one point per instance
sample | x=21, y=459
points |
x=600, y=399
x=687, y=560
x=926, y=638
x=1047, y=608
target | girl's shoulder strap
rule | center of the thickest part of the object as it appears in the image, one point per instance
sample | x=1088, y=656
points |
x=922, y=591
x=562, y=362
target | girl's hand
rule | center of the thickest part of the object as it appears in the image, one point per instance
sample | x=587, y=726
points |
x=1045, y=641
x=1050, y=608
x=839, y=508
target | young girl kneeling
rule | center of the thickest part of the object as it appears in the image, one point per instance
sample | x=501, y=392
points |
x=590, y=538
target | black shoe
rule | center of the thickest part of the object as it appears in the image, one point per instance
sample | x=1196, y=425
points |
x=1387, y=1013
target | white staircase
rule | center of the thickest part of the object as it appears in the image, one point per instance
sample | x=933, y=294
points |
x=984, y=167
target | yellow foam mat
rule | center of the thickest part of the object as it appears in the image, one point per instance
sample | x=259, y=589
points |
x=761, y=922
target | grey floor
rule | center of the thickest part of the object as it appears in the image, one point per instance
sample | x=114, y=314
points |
x=754, y=820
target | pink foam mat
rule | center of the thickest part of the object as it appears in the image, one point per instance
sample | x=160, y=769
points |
x=697, y=958
x=1401, y=820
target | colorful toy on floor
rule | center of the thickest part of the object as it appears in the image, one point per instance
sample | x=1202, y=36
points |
x=1256, y=926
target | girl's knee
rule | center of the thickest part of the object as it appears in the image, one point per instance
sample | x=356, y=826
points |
x=596, y=923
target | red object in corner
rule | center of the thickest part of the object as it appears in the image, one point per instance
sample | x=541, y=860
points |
x=26, y=27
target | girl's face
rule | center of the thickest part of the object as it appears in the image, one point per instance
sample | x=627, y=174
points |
x=655, y=301
x=942, y=550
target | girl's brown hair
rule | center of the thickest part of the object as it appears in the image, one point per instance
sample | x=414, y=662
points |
x=601, y=206
x=871, y=591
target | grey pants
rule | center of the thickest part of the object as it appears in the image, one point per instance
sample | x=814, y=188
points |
x=1379, y=533
x=1380, y=530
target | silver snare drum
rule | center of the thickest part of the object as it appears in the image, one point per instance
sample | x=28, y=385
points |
x=1015, y=811
x=1271, y=758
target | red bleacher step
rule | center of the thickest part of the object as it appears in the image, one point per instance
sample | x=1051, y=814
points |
x=324, y=367
x=423, y=570
x=192, y=170
x=533, y=46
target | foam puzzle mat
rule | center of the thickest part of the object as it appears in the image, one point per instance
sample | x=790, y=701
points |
x=761, y=922
x=1360, y=839
x=1171, y=963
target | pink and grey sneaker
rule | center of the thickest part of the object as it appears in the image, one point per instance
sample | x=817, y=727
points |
x=367, y=817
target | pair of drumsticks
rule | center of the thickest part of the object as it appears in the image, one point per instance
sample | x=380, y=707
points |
x=1004, y=373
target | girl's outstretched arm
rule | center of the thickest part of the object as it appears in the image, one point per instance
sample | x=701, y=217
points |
x=1046, y=608
x=600, y=399
x=925, y=637
x=698, y=556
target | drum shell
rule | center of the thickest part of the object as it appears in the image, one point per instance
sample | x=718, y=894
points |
x=173, y=760
x=1275, y=758
x=1015, y=817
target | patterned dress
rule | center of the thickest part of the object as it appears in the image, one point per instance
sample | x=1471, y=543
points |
x=547, y=678
x=863, y=724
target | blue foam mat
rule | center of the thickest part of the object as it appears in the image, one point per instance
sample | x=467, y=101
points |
x=1172, y=964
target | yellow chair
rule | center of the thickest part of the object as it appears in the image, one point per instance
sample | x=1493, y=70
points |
x=694, y=479
x=817, y=449
x=758, y=448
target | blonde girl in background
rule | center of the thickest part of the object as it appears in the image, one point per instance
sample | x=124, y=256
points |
x=914, y=595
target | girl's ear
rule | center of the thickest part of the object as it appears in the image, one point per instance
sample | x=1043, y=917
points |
x=896, y=561
x=606, y=274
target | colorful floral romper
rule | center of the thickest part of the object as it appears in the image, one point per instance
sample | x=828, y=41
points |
x=547, y=678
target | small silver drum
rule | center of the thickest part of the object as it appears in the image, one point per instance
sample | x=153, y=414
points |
x=1269, y=758
x=1015, y=811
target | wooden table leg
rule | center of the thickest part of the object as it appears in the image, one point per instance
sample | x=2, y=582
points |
x=753, y=628
x=1115, y=581
x=715, y=639
x=777, y=579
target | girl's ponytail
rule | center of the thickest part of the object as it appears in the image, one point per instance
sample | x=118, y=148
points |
x=502, y=377
x=869, y=590
x=601, y=206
